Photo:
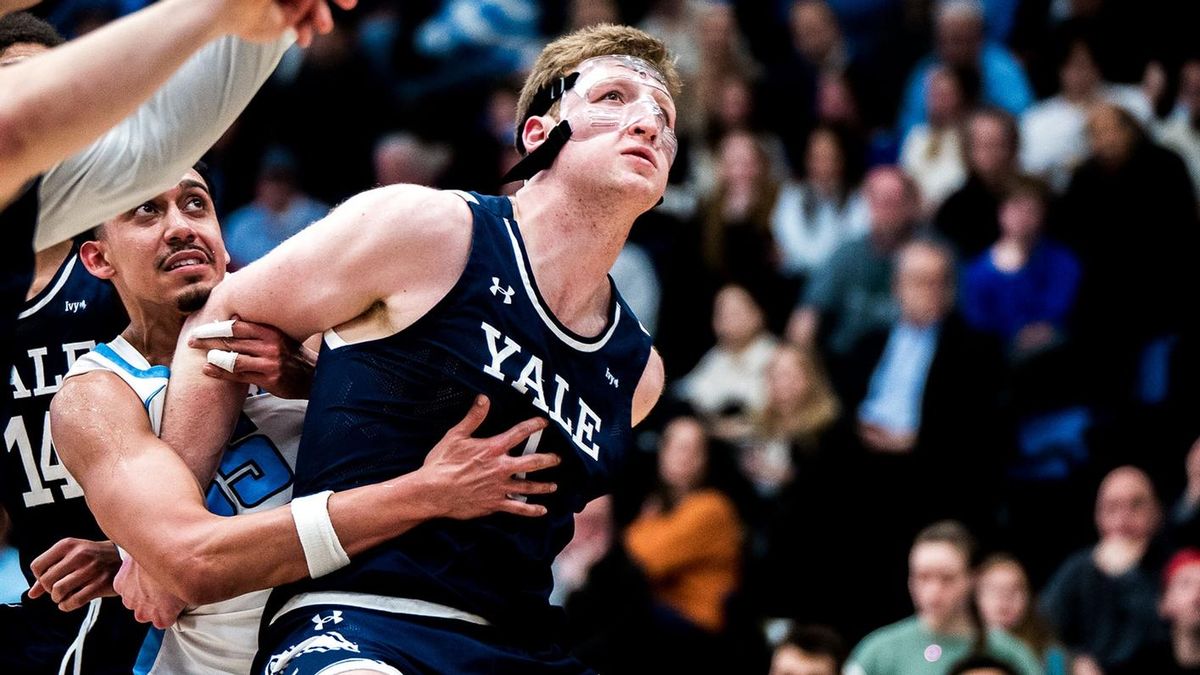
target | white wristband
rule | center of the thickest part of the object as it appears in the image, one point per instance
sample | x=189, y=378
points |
x=322, y=550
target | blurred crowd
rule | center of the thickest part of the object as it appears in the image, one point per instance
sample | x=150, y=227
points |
x=919, y=282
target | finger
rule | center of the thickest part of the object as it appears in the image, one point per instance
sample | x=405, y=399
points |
x=252, y=346
x=303, y=35
x=321, y=18
x=51, y=557
x=213, y=329
x=71, y=583
x=475, y=416
x=522, y=509
x=36, y=590
x=163, y=620
x=528, y=487
x=535, y=462
x=225, y=360
x=346, y=4
x=518, y=434
x=97, y=589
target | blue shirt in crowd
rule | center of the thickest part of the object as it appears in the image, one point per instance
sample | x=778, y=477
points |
x=1002, y=303
x=1003, y=83
x=898, y=384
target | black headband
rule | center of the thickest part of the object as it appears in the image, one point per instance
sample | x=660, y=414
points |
x=542, y=100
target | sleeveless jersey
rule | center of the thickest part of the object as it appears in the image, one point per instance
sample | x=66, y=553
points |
x=18, y=223
x=378, y=407
x=55, y=328
x=255, y=474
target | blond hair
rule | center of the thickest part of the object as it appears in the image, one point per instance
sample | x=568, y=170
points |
x=561, y=57
x=819, y=410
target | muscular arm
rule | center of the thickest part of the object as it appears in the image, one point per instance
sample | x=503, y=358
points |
x=53, y=105
x=649, y=388
x=389, y=255
x=148, y=502
x=150, y=149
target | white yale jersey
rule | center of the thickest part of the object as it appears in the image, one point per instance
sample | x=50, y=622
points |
x=256, y=474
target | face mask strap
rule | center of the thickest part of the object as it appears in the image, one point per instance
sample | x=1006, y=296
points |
x=542, y=157
x=542, y=100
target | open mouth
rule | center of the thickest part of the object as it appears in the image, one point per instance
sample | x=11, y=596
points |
x=183, y=259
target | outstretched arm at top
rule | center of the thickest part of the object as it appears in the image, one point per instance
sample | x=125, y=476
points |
x=384, y=257
x=147, y=501
x=55, y=104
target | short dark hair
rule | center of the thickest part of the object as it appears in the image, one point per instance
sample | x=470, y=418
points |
x=981, y=662
x=25, y=28
x=818, y=640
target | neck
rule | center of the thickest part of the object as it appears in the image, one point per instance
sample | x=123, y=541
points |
x=154, y=332
x=572, y=243
x=1185, y=643
x=47, y=264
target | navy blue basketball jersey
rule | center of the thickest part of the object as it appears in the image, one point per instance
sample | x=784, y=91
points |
x=378, y=407
x=18, y=222
x=64, y=321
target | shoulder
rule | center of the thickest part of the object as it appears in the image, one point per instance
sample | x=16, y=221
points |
x=649, y=387
x=92, y=397
x=875, y=645
x=408, y=209
x=714, y=504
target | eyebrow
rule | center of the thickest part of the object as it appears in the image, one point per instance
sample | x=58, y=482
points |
x=189, y=183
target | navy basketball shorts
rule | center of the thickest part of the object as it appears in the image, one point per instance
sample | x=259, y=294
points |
x=330, y=640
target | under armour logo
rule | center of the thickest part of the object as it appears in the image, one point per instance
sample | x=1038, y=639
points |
x=506, y=292
x=334, y=618
x=611, y=378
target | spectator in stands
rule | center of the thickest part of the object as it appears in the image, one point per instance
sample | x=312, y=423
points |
x=1184, y=518
x=851, y=295
x=735, y=220
x=809, y=650
x=1181, y=132
x=727, y=388
x=1102, y=600
x=823, y=210
x=279, y=210
x=1022, y=290
x=1130, y=215
x=932, y=151
x=634, y=273
x=404, y=158
x=960, y=42
x=800, y=404
x=969, y=216
x=1005, y=602
x=945, y=628
x=1180, y=607
x=1053, y=135
x=688, y=541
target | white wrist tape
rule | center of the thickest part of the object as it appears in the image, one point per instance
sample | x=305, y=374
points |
x=222, y=359
x=322, y=550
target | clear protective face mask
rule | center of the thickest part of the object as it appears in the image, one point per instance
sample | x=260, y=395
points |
x=614, y=93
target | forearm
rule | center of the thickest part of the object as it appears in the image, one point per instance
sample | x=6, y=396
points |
x=150, y=149
x=62, y=100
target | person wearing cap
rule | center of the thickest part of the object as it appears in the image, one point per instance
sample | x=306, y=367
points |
x=425, y=298
x=1180, y=607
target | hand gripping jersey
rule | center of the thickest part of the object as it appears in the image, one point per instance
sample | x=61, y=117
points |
x=256, y=474
x=378, y=407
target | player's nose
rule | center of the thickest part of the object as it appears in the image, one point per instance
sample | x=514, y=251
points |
x=177, y=227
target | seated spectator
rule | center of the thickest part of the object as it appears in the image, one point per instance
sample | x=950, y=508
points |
x=404, y=158
x=1102, y=600
x=969, y=216
x=960, y=42
x=1181, y=132
x=1180, y=607
x=800, y=404
x=688, y=537
x=1022, y=290
x=279, y=210
x=1184, y=518
x=735, y=220
x=809, y=650
x=1005, y=602
x=945, y=629
x=1054, y=142
x=727, y=387
x=634, y=273
x=824, y=210
x=932, y=151
x=851, y=295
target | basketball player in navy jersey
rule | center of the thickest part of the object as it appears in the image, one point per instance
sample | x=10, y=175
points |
x=164, y=257
x=425, y=297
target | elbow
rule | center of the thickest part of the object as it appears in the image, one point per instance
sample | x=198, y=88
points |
x=190, y=579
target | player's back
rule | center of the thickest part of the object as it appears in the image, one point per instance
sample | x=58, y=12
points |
x=62, y=322
x=377, y=407
x=255, y=474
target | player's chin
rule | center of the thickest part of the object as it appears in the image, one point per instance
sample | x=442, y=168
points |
x=192, y=297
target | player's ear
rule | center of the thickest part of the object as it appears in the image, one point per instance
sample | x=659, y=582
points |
x=95, y=259
x=535, y=131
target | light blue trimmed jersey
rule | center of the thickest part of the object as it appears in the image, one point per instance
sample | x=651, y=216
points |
x=256, y=474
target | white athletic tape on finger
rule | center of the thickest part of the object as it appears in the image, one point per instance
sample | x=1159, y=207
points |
x=223, y=359
x=216, y=329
